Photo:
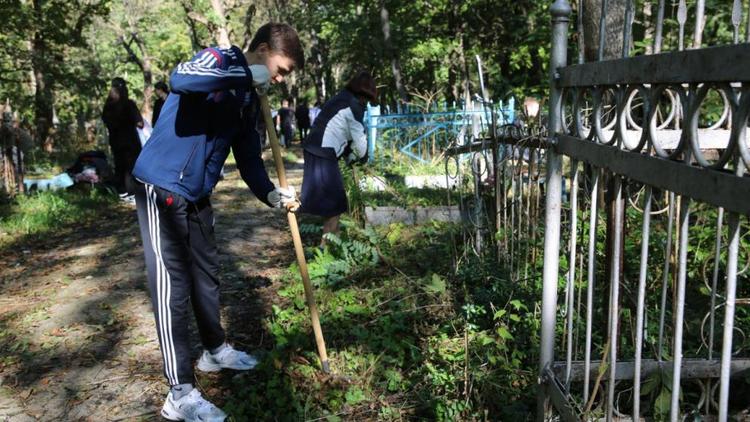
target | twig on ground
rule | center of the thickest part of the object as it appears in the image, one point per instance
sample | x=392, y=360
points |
x=111, y=379
x=598, y=382
x=135, y=415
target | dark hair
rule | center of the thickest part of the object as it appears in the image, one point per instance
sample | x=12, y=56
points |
x=162, y=86
x=280, y=37
x=119, y=82
x=363, y=84
x=121, y=86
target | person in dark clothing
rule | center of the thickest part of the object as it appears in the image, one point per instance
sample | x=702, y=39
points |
x=285, y=121
x=161, y=90
x=122, y=118
x=214, y=107
x=314, y=112
x=337, y=132
x=302, y=114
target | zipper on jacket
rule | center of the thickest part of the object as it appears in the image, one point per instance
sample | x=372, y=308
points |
x=184, y=166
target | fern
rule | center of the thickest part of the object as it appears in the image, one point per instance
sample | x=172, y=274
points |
x=352, y=251
x=305, y=228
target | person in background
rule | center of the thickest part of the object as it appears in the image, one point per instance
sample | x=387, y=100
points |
x=338, y=132
x=285, y=123
x=214, y=106
x=314, y=111
x=161, y=90
x=302, y=115
x=122, y=118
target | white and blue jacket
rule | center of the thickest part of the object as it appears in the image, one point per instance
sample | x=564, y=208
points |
x=211, y=107
x=339, y=127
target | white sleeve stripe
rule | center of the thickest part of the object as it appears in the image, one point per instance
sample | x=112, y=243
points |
x=203, y=73
x=190, y=69
x=203, y=58
x=191, y=65
x=206, y=60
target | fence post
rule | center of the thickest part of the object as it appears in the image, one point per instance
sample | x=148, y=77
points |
x=560, y=11
x=511, y=107
x=373, y=112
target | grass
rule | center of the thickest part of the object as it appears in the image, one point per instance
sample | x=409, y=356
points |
x=290, y=157
x=45, y=212
x=397, y=193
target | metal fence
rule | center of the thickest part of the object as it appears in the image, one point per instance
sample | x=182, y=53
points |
x=424, y=136
x=636, y=137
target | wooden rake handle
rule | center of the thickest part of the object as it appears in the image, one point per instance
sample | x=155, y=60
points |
x=299, y=251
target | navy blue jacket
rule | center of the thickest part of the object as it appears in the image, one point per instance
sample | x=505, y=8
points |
x=338, y=128
x=211, y=108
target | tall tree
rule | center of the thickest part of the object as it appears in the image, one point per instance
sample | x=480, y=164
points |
x=143, y=60
x=614, y=22
x=391, y=53
x=54, y=27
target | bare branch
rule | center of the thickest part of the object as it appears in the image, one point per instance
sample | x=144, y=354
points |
x=131, y=54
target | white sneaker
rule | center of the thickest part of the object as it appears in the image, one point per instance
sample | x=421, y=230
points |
x=191, y=408
x=227, y=358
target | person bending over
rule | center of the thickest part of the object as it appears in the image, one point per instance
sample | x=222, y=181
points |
x=211, y=108
x=338, y=132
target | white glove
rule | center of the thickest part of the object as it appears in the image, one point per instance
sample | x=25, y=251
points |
x=284, y=197
x=351, y=158
x=261, y=78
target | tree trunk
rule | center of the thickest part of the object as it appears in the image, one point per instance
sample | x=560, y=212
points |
x=43, y=95
x=144, y=63
x=452, y=83
x=390, y=52
x=613, y=37
x=248, y=36
x=458, y=25
x=318, y=66
x=592, y=12
x=221, y=33
x=648, y=26
x=465, y=85
x=194, y=37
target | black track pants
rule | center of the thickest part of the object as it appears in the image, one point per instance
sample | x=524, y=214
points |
x=182, y=267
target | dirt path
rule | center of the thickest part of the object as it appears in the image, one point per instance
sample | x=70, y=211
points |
x=76, y=326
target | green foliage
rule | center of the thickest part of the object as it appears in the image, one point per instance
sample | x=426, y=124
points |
x=401, y=332
x=352, y=251
x=43, y=212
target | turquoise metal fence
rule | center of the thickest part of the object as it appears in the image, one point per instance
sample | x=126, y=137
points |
x=423, y=136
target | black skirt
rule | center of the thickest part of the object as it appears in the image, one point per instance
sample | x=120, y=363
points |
x=323, y=191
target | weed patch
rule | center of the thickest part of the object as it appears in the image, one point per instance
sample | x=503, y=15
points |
x=406, y=337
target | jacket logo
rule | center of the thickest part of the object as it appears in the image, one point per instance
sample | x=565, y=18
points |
x=169, y=200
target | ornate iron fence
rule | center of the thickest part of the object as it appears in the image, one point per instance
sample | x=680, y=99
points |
x=636, y=137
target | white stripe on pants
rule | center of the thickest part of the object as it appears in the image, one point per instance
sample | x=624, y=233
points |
x=163, y=290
